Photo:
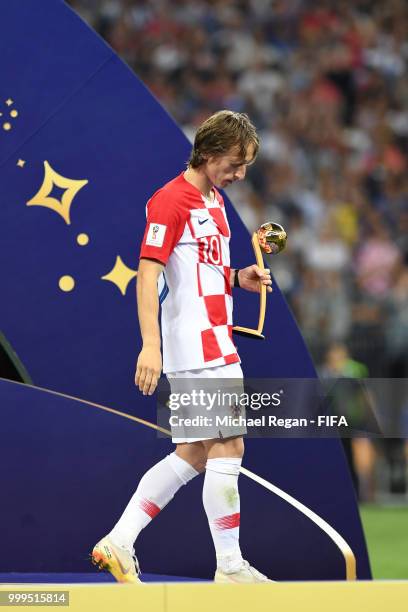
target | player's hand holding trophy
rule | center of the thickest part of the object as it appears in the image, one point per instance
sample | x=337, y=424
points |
x=270, y=239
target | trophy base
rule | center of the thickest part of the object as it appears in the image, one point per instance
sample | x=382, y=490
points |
x=248, y=332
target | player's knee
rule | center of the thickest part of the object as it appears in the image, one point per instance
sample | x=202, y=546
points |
x=198, y=461
x=228, y=447
x=200, y=464
x=235, y=447
x=196, y=457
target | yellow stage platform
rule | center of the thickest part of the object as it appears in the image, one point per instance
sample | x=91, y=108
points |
x=379, y=596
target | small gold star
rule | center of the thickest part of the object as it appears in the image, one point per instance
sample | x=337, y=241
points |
x=7, y=126
x=21, y=163
x=14, y=113
x=63, y=206
x=9, y=102
x=120, y=275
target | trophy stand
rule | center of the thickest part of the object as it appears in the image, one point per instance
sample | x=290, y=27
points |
x=270, y=238
x=247, y=331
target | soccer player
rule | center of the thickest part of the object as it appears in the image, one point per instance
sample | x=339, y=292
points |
x=186, y=245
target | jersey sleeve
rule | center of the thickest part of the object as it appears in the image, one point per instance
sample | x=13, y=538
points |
x=164, y=227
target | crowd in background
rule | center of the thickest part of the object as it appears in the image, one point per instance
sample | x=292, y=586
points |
x=325, y=84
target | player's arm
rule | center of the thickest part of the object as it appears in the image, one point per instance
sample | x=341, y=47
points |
x=250, y=277
x=164, y=226
x=149, y=363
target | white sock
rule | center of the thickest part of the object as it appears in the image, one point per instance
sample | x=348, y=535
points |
x=221, y=504
x=156, y=488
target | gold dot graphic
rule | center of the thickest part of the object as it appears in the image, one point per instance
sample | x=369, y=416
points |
x=7, y=126
x=14, y=113
x=66, y=283
x=82, y=239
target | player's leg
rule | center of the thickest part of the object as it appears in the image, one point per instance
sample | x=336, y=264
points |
x=222, y=505
x=156, y=488
x=221, y=498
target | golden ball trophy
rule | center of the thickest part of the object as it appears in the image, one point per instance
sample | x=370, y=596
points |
x=270, y=239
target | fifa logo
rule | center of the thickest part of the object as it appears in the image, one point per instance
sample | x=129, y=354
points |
x=155, y=235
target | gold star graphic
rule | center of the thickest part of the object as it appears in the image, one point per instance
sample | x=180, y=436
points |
x=51, y=179
x=21, y=163
x=9, y=102
x=120, y=275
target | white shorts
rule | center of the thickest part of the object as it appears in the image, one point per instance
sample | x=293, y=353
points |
x=231, y=371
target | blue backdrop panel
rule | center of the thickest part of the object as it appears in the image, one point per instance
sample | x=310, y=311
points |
x=83, y=112
x=77, y=467
x=46, y=55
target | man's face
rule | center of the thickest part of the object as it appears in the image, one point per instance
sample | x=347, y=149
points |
x=222, y=170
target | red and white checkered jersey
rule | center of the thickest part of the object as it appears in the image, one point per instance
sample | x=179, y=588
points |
x=190, y=235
